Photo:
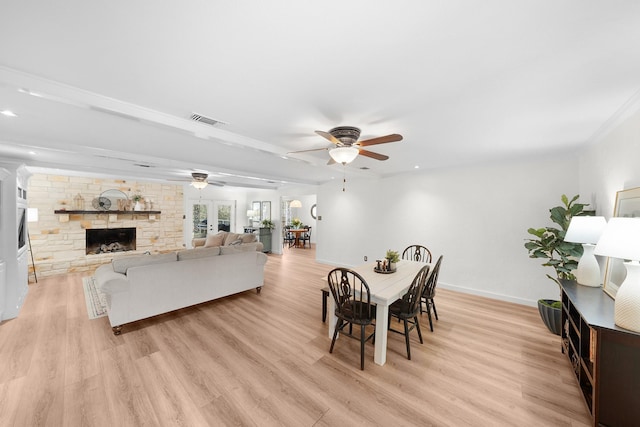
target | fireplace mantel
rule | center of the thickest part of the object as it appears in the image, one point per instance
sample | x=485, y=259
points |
x=71, y=212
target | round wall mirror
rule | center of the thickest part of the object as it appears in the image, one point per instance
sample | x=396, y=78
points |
x=313, y=211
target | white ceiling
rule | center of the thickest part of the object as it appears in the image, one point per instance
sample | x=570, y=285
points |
x=102, y=87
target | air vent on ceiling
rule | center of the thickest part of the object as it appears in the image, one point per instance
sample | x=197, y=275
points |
x=206, y=120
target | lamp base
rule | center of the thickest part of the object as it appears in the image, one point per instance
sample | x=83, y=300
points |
x=588, y=272
x=627, y=305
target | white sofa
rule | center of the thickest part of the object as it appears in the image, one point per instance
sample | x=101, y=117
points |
x=138, y=287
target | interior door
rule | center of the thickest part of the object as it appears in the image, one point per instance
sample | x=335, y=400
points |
x=210, y=216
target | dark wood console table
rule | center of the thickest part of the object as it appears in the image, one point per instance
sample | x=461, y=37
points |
x=604, y=357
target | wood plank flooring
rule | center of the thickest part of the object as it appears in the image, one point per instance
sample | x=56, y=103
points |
x=263, y=360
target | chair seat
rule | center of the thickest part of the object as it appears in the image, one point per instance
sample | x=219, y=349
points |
x=401, y=308
x=356, y=312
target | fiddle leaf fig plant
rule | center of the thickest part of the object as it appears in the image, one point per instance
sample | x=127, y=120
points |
x=549, y=242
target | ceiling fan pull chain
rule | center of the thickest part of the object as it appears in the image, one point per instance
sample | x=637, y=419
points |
x=344, y=176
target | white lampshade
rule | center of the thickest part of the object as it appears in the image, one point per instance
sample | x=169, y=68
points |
x=199, y=184
x=295, y=204
x=344, y=155
x=621, y=239
x=585, y=229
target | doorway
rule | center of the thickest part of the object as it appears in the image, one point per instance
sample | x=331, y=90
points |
x=210, y=216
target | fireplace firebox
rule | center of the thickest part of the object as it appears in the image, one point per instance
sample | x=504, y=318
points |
x=105, y=240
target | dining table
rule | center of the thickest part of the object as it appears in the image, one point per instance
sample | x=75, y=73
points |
x=384, y=289
x=297, y=233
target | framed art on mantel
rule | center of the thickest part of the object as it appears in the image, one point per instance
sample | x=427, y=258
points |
x=627, y=205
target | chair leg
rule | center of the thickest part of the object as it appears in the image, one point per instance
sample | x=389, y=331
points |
x=362, y=333
x=433, y=303
x=429, y=314
x=418, y=328
x=406, y=338
x=335, y=334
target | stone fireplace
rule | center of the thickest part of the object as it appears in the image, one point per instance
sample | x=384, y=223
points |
x=106, y=240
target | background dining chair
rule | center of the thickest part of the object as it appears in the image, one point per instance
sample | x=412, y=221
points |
x=408, y=307
x=351, y=295
x=429, y=293
x=306, y=237
x=287, y=236
x=417, y=253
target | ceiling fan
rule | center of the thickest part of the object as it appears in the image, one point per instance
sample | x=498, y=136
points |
x=199, y=180
x=347, y=147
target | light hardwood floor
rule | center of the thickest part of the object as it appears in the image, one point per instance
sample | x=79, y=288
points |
x=263, y=359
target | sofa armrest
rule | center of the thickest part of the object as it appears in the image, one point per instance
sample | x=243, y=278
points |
x=108, y=281
x=199, y=241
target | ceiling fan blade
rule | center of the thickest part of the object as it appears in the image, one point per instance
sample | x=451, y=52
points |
x=304, y=151
x=331, y=161
x=373, y=155
x=394, y=137
x=328, y=136
x=216, y=184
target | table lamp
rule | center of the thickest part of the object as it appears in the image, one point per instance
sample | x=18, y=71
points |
x=621, y=239
x=586, y=230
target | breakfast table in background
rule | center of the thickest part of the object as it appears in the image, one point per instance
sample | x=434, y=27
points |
x=384, y=290
x=298, y=232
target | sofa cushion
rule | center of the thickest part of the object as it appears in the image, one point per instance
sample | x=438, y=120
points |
x=236, y=242
x=230, y=237
x=215, y=239
x=248, y=238
x=121, y=265
x=198, y=253
x=247, y=247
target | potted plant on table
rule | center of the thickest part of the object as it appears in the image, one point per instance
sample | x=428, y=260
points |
x=296, y=223
x=393, y=257
x=562, y=256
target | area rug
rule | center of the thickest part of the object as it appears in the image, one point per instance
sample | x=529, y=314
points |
x=96, y=301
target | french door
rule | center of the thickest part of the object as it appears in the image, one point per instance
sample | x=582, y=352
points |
x=210, y=216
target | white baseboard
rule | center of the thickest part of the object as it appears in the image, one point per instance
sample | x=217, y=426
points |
x=486, y=294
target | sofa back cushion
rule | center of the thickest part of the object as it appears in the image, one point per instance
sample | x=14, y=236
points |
x=247, y=247
x=248, y=238
x=230, y=238
x=198, y=253
x=121, y=265
x=215, y=239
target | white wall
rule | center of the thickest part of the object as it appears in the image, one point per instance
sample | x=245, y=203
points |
x=612, y=164
x=475, y=216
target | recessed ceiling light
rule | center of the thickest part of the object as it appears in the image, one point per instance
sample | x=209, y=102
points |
x=33, y=153
x=416, y=167
x=8, y=113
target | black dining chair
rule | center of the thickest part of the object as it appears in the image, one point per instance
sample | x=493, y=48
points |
x=351, y=295
x=287, y=236
x=306, y=237
x=417, y=253
x=407, y=308
x=429, y=293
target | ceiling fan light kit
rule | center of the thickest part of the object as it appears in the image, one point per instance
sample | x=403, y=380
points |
x=344, y=155
x=199, y=180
